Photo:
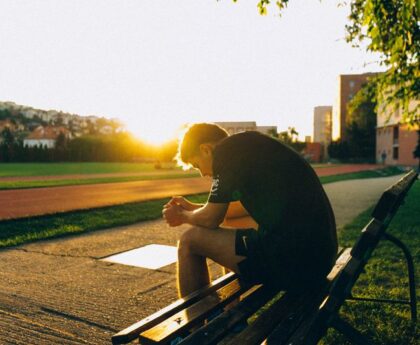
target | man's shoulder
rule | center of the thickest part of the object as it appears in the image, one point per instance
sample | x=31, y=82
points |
x=244, y=139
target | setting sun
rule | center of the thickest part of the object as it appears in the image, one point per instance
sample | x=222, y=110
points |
x=154, y=133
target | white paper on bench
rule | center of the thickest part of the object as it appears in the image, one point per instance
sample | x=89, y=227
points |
x=152, y=256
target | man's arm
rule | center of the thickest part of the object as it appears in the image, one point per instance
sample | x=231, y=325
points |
x=184, y=203
x=210, y=216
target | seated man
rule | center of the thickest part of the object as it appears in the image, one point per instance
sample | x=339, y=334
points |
x=294, y=242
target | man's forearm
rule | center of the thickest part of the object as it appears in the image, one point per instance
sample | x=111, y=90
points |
x=202, y=218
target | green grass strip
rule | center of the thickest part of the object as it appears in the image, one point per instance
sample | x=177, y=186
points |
x=19, y=231
x=7, y=185
x=384, y=172
x=49, y=169
x=57, y=183
x=385, y=277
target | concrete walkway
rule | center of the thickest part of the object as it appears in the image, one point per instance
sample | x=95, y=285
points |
x=59, y=292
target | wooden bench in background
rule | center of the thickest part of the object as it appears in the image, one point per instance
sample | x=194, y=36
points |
x=283, y=317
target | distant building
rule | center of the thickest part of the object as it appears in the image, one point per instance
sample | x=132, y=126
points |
x=322, y=124
x=348, y=86
x=45, y=136
x=313, y=152
x=243, y=126
x=237, y=127
x=269, y=130
x=323, y=127
x=395, y=141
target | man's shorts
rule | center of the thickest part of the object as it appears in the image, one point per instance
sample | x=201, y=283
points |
x=247, y=244
x=257, y=267
x=269, y=261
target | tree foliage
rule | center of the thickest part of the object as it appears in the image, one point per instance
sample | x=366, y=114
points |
x=390, y=28
x=117, y=147
x=361, y=124
x=290, y=138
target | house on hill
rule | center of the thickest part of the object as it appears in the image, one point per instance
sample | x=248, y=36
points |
x=11, y=125
x=45, y=136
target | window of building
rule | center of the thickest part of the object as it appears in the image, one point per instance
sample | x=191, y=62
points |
x=395, y=134
x=395, y=153
x=351, y=84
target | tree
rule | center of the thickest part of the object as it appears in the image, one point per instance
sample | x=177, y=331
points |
x=290, y=138
x=339, y=150
x=60, y=149
x=7, y=140
x=361, y=124
x=390, y=28
x=416, y=152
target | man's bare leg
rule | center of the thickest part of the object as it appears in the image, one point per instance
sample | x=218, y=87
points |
x=195, y=245
x=192, y=271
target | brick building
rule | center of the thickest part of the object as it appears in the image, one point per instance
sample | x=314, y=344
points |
x=348, y=86
x=395, y=141
x=313, y=152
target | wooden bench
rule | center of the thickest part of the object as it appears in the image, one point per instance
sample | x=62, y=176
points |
x=283, y=317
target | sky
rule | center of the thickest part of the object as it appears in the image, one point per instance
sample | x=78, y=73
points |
x=156, y=64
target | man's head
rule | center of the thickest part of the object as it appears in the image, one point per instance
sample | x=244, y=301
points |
x=196, y=147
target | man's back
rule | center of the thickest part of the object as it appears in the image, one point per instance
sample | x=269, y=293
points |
x=282, y=193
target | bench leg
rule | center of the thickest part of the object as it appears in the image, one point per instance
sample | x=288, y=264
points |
x=411, y=277
x=349, y=331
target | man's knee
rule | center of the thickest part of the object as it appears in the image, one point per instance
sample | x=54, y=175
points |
x=187, y=240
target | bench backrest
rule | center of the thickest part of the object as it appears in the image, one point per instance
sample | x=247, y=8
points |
x=383, y=213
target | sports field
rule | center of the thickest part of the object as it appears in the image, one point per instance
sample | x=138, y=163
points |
x=41, y=175
x=51, y=169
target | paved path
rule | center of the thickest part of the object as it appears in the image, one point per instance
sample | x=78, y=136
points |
x=37, y=201
x=59, y=292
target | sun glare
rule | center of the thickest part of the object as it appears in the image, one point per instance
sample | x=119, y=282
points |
x=154, y=135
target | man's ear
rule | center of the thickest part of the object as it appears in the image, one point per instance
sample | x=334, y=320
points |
x=206, y=149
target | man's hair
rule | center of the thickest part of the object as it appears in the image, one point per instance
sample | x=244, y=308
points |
x=195, y=135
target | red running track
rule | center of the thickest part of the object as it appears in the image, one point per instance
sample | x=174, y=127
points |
x=20, y=203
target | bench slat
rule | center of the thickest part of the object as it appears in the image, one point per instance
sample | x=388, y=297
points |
x=284, y=330
x=193, y=315
x=219, y=326
x=393, y=196
x=288, y=311
x=132, y=332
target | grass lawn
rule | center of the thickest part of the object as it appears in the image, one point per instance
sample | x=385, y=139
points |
x=382, y=172
x=50, y=169
x=171, y=174
x=160, y=174
x=386, y=277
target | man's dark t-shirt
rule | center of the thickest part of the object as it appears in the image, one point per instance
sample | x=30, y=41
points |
x=280, y=190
